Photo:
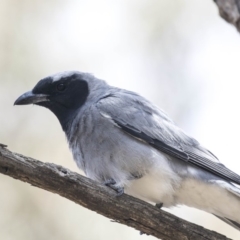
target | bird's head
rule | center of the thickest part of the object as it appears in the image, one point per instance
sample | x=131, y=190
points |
x=63, y=93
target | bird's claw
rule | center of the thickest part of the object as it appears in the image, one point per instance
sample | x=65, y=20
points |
x=112, y=184
x=159, y=205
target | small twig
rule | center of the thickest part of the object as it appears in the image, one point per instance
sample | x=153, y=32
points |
x=230, y=11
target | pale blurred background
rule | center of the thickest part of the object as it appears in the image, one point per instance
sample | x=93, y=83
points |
x=179, y=54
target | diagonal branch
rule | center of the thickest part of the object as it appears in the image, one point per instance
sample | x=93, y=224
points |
x=230, y=11
x=96, y=197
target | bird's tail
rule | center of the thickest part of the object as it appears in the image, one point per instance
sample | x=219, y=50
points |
x=230, y=222
x=219, y=197
x=233, y=189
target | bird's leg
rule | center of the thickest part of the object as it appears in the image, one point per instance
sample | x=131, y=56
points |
x=112, y=184
x=159, y=205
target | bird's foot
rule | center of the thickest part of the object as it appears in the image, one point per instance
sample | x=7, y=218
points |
x=159, y=205
x=112, y=184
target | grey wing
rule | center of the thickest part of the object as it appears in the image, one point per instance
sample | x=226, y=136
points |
x=142, y=120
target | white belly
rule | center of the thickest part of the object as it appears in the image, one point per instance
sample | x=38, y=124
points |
x=156, y=187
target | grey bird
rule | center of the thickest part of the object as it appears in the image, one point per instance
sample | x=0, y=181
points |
x=122, y=140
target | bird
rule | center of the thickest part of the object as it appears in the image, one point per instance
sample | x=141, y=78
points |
x=122, y=140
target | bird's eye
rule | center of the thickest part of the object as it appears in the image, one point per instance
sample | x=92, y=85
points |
x=61, y=87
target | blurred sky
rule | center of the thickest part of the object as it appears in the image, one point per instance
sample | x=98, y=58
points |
x=179, y=54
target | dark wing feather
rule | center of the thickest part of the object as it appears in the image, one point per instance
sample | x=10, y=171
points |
x=153, y=142
x=213, y=167
x=142, y=120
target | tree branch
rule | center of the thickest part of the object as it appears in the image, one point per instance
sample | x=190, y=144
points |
x=96, y=197
x=230, y=11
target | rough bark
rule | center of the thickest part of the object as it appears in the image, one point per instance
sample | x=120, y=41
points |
x=96, y=197
x=230, y=11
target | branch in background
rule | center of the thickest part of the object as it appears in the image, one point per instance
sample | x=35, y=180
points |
x=96, y=197
x=230, y=11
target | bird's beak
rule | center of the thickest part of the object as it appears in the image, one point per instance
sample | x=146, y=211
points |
x=31, y=98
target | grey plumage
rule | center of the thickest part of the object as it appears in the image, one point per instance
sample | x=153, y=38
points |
x=119, y=138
